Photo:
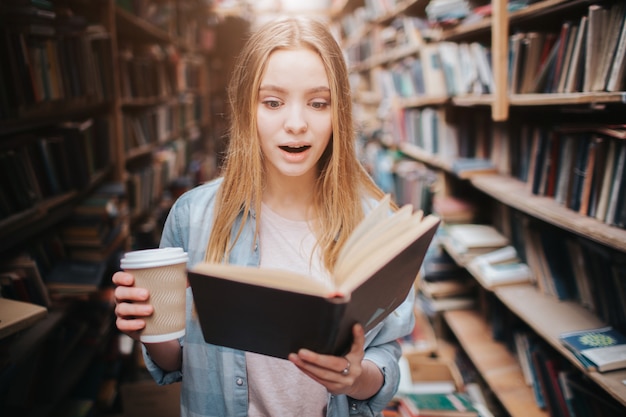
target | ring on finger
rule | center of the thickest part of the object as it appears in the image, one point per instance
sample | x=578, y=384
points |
x=346, y=370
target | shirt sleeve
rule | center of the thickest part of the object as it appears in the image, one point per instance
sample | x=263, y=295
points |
x=384, y=350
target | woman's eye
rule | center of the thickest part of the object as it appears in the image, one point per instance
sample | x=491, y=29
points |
x=273, y=104
x=319, y=105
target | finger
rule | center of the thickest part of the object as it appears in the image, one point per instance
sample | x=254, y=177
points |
x=123, y=278
x=128, y=310
x=131, y=294
x=130, y=327
x=358, y=343
x=325, y=369
x=312, y=360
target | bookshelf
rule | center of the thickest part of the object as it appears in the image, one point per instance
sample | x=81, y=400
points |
x=104, y=115
x=497, y=121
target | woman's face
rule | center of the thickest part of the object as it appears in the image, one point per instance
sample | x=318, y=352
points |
x=293, y=113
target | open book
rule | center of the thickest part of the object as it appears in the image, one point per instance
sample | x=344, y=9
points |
x=276, y=312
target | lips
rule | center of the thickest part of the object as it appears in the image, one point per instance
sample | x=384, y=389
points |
x=295, y=149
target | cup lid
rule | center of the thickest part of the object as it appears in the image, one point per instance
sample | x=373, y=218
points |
x=150, y=258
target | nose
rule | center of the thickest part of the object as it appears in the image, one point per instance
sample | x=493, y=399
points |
x=295, y=121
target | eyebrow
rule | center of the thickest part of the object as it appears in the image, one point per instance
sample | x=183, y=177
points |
x=269, y=87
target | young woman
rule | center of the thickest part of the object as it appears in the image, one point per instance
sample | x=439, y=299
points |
x=291, y=192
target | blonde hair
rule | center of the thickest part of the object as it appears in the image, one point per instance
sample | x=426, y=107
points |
x=342, y=179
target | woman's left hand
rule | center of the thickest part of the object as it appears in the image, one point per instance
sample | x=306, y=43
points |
x=348, y=374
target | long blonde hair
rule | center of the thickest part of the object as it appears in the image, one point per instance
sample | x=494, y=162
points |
x=342, y=179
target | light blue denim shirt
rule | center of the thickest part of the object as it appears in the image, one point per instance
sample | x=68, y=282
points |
x=214, y=380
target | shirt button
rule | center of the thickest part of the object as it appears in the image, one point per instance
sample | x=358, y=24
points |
x=353, y=406
x=239, y=381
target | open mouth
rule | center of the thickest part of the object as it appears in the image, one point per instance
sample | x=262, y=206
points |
x=294, y=149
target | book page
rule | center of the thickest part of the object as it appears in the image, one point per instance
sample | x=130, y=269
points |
x=267, y=277
x=397, y=239
x=374, y=217
x=378, y=235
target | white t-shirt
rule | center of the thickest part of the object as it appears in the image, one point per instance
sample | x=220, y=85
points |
x=276, y=386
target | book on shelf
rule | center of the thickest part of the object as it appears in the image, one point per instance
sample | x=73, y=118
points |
x=602, y=349
x=609, y=38
x=575, y=70
x=522, y=341
x=422, y=340
x=500, y=267
x=20, y=188
x=439, y=266
x=465, y=241
x=596, y=14
x=555, y=73
x=97, y=226
x=606, y=181
x=543, y=77
x=547, y=369
x=567, y=58
x=456, y=404
x=374, y=273
x=551, y=247
x=421, y=374
x=70, y=277
x=451, y=209
x=433, y=306
x=23, y=272
x=16, y=315
x=447, y=288
x=481, y=54
x=532, y=43
x=617, y=183
x=588, y=395
x=615, y=81
x=466, y=167
x=114, y=243
x=433, y=72
x=516, y=41
x=79, y=148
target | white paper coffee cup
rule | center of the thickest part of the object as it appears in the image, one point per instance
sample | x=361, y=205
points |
x=163, y=272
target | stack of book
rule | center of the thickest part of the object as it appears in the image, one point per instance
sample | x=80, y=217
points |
x=97, y=228
x=443, y=284
x=466, y=241
x=500, y=267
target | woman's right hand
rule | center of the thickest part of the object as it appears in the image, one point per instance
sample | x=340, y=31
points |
x=131, y=304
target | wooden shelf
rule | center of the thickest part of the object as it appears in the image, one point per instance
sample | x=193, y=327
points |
x=549, y=318
x=515, y=193
x=463, y=30
x=23, y=225
x=395, y=54
x=420, y=155
x=543, y=8
x=50, y=112
x=473, y=100
x=566, y=99
x=134, y=28
x=498, y=367
x=401, y=7
x=422, y=101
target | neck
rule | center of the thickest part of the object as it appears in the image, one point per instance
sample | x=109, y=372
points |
x=290, y=197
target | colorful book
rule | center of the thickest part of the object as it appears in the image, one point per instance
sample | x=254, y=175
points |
x=454, y=404
x=603, y=348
